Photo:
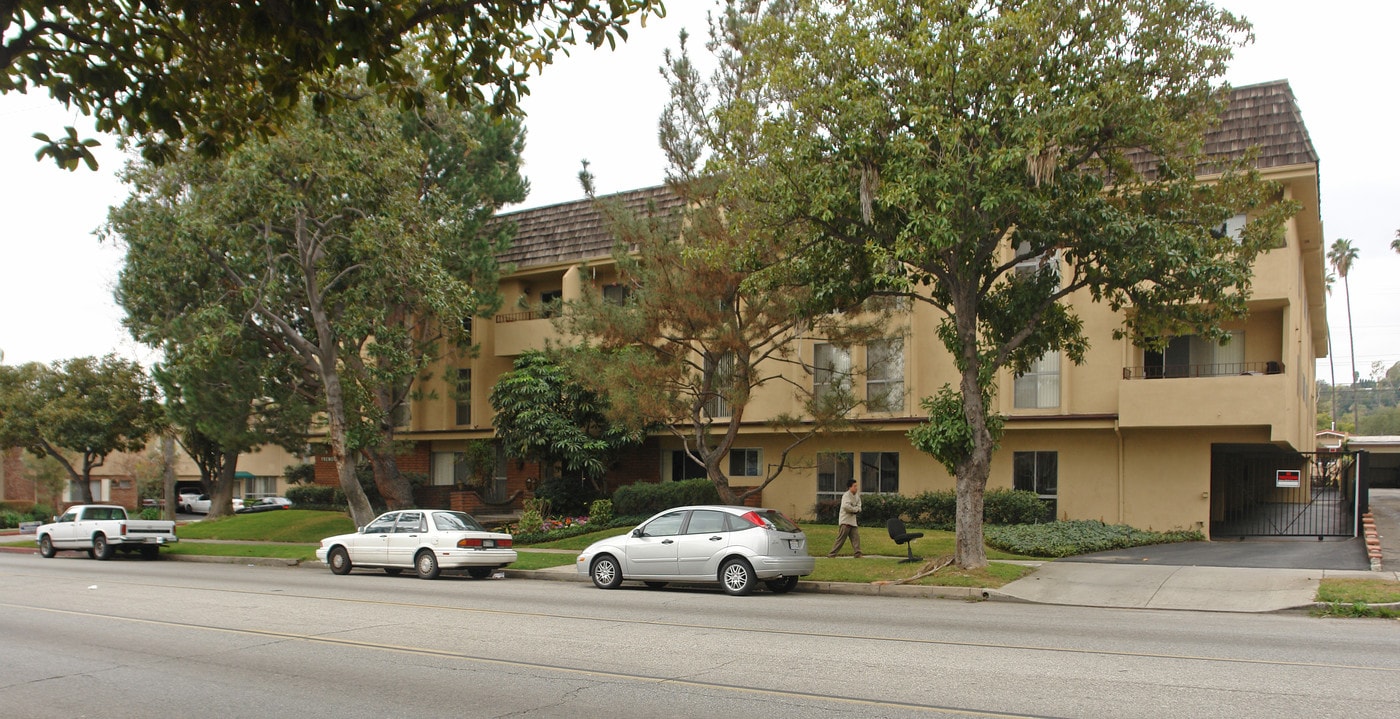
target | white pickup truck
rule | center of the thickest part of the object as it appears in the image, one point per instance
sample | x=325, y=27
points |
x=103, y=529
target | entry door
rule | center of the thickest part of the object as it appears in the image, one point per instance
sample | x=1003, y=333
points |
x=371, y=545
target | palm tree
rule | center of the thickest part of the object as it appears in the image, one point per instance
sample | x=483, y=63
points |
x=1342, y=256
x=1331, y=356
x=1395, y=243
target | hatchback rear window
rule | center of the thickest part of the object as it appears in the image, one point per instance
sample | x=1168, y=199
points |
x=773, y=518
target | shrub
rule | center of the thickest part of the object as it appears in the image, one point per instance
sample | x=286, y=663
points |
x=826, y=511
x=9, y=520
x=647, y=498
x=600, y=513
x=1014, y=506
x=299, y=474
x=1065, y=539
x=150, y=513
x=876, y=509
x=935, y=510
x=531, y=522
x=567, y=495
x=312, y=496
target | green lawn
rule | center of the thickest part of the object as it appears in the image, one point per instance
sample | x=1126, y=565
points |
x=301, y=531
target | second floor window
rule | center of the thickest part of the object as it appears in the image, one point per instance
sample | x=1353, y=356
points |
x=831, y=369
x=1039, y=387
x=463, y=394
x=884, y=375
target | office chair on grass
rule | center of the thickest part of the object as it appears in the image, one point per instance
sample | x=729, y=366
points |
x=897, y=532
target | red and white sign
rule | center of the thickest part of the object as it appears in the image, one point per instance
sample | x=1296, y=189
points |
x=1289, y=478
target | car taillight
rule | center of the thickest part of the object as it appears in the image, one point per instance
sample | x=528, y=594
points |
x=505, y=542
x=123, y=529
x=755, y=519
x=465, y=543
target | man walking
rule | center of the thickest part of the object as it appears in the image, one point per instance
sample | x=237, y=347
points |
x=850, y=507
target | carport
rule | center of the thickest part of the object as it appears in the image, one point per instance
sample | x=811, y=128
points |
x=1382, y=465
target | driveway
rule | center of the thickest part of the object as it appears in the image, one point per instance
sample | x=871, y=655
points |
x=1272, y=552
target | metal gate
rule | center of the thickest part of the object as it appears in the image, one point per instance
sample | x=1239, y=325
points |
x=1285, y=494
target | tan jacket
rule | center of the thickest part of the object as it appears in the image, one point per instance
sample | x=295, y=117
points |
x=850, y=507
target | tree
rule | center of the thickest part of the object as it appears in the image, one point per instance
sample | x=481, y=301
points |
x=546, y=415
x=714, y=312
x=1342, y=256
x=210, y=75
x=1331, y=356
x=77, y=412
x=951, y=143
x=1395, y=243
x=315, y=241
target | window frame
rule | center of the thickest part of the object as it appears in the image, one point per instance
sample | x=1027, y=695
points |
x=1040, y=380
x=878, y=380
x=752, y=458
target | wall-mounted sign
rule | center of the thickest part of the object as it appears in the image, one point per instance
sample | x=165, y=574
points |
x=1289, y=478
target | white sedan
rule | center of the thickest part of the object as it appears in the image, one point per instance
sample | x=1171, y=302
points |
x=428, y=541
x=736, y=547
x=200, y=504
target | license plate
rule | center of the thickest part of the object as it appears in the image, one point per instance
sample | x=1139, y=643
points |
x=794, y=544
x=488, y=542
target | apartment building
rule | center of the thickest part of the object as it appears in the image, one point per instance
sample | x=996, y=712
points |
x=1155, y=439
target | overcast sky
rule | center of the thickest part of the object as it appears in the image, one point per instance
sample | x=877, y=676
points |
x=56, y=279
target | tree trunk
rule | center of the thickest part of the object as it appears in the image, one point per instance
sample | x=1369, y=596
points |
x=167, y=457
x=395, y=488
x=970, y=551
x=360, y=510
x=225, y=486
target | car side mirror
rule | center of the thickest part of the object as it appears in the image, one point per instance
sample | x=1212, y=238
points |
x=638, y=532
x=361, y=530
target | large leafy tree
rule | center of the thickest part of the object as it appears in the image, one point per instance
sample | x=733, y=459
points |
x=210, y=75
x=321, y=241
x=952, y=141
x=544, y=414
x=77, y=412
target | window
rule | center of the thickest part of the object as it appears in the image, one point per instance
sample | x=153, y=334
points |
x=467, y=329
x=260, y=486
x=1039, y=387
x=410, y=522
x=1232, y=228
x=382, y=525
x=1037, y=472
x=834, y=469
x=683, y=467
x=616, y=294
x=447, y=469
x=463, y=395
x=722, y=376
x=98, y=487
x=879, y=472
x=705, y=521
x=666, y=525
x=831, y=369
x=1194, y=356
x=884, y=375
x=745, y=462
x=550, y=301
x=1045, y=262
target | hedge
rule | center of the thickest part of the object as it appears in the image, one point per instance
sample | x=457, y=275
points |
x=646, y=498
x=938, y=510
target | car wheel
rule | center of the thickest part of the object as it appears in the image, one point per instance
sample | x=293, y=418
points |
x=781, y=585
x=339, y=560
x=427, y=565
x=737, y=577
x=479, y=572
x=100, y=548
x=150, y=553
x=655, y=585
x=606, y=572
x=46, y=549
x=393, y=571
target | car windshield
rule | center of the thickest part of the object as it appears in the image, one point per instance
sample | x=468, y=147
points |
x=456, y=522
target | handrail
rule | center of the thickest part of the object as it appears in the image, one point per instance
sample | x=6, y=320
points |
x=1229, y=369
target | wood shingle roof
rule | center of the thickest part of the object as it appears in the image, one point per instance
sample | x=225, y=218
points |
x=1263, y=116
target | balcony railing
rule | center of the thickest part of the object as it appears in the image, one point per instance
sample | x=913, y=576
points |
x=1228, y=369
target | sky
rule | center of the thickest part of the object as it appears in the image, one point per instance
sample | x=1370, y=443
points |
x=56, y=278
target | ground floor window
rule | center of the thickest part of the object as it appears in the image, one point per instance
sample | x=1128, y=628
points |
x=99, y=488
x=879, y=472
x=683, y=467
x=1038, y=472
x=259, y=486
x=834, y=469
x=745, y=462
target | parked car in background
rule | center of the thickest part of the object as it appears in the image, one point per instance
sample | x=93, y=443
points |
x=736, y=547
x=101, y=530
x=200, y=504
x=265, y=504
x=428, y=541
x=184, y=500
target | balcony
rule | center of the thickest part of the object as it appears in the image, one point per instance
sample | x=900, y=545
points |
x=517, y=332
x=1235, y=395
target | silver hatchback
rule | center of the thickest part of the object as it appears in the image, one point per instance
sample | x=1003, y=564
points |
x=736, y=547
